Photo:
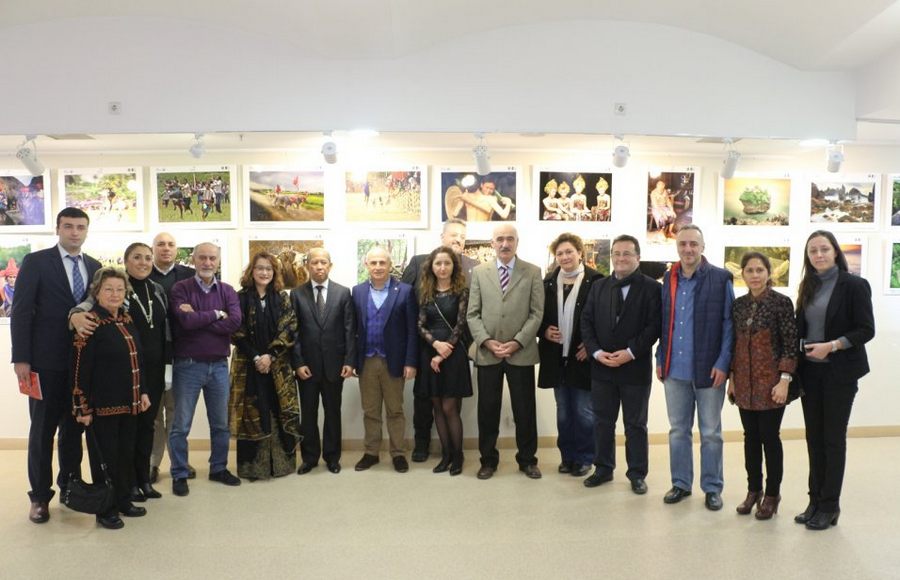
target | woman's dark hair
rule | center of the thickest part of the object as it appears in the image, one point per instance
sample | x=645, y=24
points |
x=134, y=246
x=428, y=281
x=809, y=281
x=277, y=282
x=745, y=259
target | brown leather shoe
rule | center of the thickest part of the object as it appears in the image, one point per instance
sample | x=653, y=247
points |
x=768, y=507
x=753, y=498
x=530, y=471
x=39, y=512
x=486, y=472
x=365, y=462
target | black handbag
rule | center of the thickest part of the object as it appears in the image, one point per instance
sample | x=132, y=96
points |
x=90, y=498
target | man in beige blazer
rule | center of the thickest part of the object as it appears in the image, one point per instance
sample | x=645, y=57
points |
x=506, y=304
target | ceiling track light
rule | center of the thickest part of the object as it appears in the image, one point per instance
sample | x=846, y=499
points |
x=27, y=155
x=197, y=149
x=621, y=152
x=730, y=163
x=834, y=157
x=482, y=157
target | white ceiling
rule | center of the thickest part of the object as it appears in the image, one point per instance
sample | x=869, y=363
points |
x=805, y=34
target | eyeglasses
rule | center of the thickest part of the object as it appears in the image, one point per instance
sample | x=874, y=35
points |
x=623, y=254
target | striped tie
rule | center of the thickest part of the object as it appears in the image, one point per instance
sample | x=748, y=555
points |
x=77, y=280
x=504, y=278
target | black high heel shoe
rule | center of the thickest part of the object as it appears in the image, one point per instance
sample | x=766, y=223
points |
x=807, y=514
x=823, y=520
x=444, y=465
x=456, y=466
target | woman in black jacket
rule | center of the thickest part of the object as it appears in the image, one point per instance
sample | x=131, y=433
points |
x=835, y=320
x=565, y=365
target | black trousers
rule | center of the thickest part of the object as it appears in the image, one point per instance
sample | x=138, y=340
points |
x=154, y=377
x=826, y=412
x=607, y=396
x=490, y=400
x=52, y=414
x=329, y=446
x=422, y=419
x=115, y=435
x=762, y=433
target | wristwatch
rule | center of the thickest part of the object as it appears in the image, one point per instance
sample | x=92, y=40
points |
x=786, y=377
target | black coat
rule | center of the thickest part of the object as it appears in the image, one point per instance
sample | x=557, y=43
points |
x=849, y=314
x=324, y=344
x=638, y=328
x=578, y=374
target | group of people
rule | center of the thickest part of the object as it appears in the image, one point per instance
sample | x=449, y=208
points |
x=99, y=341
x=210, y=194
x=558, y=206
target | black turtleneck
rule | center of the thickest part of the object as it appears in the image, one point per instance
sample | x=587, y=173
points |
x=152, y=339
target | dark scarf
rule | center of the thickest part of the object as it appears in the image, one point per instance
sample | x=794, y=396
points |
x=617, y=302
x=262, y=327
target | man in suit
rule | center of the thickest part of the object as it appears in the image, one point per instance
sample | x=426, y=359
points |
x=51, y=282
x=387, y=352
x=619, y=325
x=323, y=356
x=506, y=305
x=166, y=272
x=454, y=237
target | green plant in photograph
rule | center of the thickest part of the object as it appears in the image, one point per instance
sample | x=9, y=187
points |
x=756, y=196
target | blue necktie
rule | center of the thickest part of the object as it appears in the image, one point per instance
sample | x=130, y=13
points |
x=77, y=280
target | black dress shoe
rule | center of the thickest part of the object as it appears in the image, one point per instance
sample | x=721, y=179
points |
x=443, y=465
x=192, y=473
x=149, y=493
x=420, y=453
x=400, y=464
x=807, y=514
x=530, y=471
x=113, y=522
x=366, y=462
x=713, y=501
x=580, y=469
x=597, y=478
x=486, y=472
x=154, y=474
x=180, y=487
x=39, y=512
x=225, y=477
x=136, y=495
x=823, y=520
x=676, y=494
x=565, y=467
x=334, y=467
x=456, y=465
x=133, y=511
x=639, y=486
x=305, y=468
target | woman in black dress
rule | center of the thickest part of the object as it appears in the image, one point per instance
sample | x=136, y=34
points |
x=444, y=370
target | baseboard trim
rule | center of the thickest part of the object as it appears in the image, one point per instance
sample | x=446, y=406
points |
x=863, y=432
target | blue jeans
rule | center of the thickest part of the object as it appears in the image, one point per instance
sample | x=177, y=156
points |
x=681, y=399
x=189, y=377
x=575, y=424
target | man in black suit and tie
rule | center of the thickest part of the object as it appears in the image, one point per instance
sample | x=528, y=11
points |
x=323, y=356
x=453, y=236
x=619, y=325
x=51, y=282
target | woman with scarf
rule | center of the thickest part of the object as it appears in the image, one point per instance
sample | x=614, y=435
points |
x=264, y=408
x=565, y=364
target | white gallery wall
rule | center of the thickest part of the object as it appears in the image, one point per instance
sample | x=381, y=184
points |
x=878, y=403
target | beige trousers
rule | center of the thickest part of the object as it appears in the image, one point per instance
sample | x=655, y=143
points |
x=377, y=386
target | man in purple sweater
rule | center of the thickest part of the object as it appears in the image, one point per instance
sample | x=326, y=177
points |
x=206, y=313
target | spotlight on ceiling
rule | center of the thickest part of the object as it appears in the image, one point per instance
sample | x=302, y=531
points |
x=621, y=153
x=482, y=158
x=329, y=152
x=835, y=157
x=730, y=163
x=27, y=154
x=197, y=149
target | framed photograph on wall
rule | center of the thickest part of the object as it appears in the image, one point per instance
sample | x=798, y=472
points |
x=112, y=197
x=854, y=248
x=193, y=197
x=671, y=198
x=844, y=201
x=284, y=197
x=480, y=251
x=394, y=198
x=596, y=255
x=755, y=200
x=892, y=268
x=779, y=257
x=399, y=246
x=478, y=199
x=13, y=250
x=894, y=200
x=290, y=248
x=573, y=196
x=25, y=202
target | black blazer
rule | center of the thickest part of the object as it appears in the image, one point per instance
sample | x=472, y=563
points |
x=578, y=374
x=849, y=314
x=638, y=328
x=38, y=326
x=324, y=343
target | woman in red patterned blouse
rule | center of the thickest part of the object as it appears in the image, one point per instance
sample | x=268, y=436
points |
x=765, y=355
